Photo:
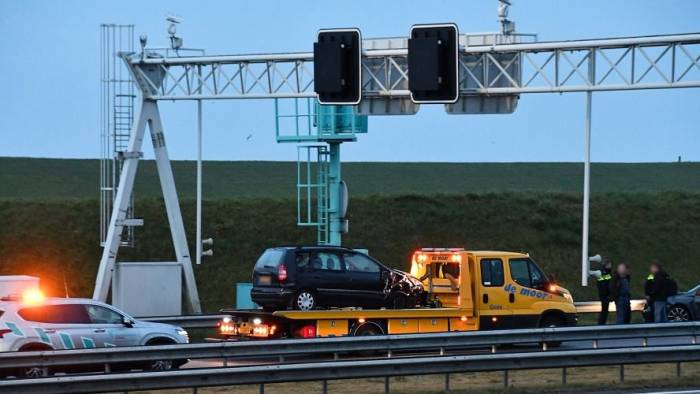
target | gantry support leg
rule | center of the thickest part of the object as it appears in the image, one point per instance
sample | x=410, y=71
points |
x=148, y=115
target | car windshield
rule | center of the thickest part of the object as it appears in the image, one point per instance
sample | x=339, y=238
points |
x=270, y=259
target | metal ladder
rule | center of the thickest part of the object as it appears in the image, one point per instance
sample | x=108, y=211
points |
x=116, y=117
x=313, y=201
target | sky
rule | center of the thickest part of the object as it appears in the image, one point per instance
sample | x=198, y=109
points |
x=50, y=79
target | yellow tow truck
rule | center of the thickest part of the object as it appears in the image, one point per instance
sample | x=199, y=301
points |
x=467, y=290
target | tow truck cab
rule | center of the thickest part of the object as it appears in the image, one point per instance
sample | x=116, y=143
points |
x=503, y=289
x=467, y=290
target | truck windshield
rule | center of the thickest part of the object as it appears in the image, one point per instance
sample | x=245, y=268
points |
x=270, y=259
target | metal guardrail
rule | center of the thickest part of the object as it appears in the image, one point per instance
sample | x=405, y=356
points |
x=594, y=306
x=354, y=369
x=210, y=321
x=390, y=343
x=192, y=321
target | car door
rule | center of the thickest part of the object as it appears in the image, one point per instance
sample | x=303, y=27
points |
x=493, y=294
x=696, y=303
x=68, y=324
x=365, y=279
x=527, y=290
x=108, y=326
x=328, y=277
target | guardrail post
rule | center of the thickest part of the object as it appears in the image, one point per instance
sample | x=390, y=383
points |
x=493, y=348
x=447, y=382
x=325, y=386
x=194, y=390
x=107, y=369
x=595, y=344
x=645, y=342
x=336, y=356
x=622, y=373
x=563, y=375
x=442, y=351
x=262, y=388
x=678, y=369
x=505, y=378
x=386, y=385
x=388, y=353
x=694, y=340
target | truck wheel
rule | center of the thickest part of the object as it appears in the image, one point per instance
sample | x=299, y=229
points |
x=305, y=300
x=368, y=329
x=552, y=321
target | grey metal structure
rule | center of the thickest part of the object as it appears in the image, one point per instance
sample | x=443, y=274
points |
x=385, y=345
x=492, y=71
x=333, y=370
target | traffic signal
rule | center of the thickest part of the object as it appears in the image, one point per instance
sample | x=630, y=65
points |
x=337, y=66
x=433, y=73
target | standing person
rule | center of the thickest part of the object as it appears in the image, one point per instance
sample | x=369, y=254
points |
x=603, y=278
x=648, y=312
x=658, y=293
x=620, y=290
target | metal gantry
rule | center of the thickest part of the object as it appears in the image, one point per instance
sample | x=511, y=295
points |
x=494, y=70
x=652, y=62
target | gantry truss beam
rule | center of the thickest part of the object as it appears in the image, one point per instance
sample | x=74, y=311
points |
x=651, y=62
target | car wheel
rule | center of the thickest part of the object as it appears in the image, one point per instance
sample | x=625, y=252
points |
x=552, y=322
x=33, y=372
x=678, y=313
x=161, y=365
x=305, y=300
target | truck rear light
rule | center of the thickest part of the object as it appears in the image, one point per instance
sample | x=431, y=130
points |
x=282, y=273
x=4, y=331
x=308, y=331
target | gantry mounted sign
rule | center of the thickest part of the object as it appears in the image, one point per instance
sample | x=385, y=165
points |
x=338, y=66
x=433, y=63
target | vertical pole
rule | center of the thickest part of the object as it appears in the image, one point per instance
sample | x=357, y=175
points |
x=334, y=178
x=586, y=191
x=198, y=240
x=387, y=387
x=622, y=373
x=587, y=170
x=447, y=382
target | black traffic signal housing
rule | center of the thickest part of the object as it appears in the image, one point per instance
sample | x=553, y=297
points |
x=337, y=66
x=433, y=65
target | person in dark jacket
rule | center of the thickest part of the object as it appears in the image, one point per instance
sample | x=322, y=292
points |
x=656, y=292
x=603, y=278
x=648, y=312
x=621, y=293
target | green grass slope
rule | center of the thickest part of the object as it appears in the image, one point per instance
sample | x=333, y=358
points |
x=57, y=240
x=60, y=179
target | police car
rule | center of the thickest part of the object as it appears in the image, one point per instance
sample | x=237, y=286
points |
x=32, y=323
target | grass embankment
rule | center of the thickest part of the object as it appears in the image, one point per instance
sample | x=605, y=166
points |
x=638, y=378
x=61, y=179
x=53, y=239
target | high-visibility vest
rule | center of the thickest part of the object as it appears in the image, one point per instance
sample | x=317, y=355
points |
x=604, y=277
x=650, y=277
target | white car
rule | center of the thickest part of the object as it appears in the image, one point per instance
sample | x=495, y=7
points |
x=76, y=323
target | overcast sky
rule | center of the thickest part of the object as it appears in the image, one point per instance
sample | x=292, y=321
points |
x=50, y=80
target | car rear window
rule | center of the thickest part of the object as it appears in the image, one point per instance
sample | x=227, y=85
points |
x=57, y=314
x=270, y=259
